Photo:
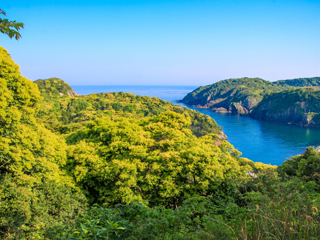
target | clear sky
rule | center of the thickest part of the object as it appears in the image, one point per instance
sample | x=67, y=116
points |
x=177, y=42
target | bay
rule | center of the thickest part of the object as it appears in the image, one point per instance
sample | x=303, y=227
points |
x=261, y=141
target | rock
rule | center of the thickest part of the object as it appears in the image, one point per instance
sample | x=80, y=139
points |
x=221, y=110
x=222, y=136
x=238, y=108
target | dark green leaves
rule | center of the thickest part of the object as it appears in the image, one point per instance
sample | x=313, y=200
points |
x=10, y=28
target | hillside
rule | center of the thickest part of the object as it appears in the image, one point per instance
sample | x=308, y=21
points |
x=296, y=106
x=65, y=114
x=300, y=82
x=239, y=95
x=120, y=166
x=294, y=101
x=53, y=87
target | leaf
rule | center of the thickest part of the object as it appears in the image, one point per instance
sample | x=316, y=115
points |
x=85, y=230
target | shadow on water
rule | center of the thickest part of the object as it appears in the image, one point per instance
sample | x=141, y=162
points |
x=260, y=141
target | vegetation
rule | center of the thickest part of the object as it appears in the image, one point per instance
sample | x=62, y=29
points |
x=54, y=87
x=10, y=28
x=65, y=114
x=35, y=191
x=232, y=90
x=299, y=105
x=300, y=82
x=120, y=166
x=292, y=101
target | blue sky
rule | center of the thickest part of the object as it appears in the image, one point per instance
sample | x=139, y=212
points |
x=165, y=42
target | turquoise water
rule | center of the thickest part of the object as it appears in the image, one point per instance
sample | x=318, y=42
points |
x=260, y=141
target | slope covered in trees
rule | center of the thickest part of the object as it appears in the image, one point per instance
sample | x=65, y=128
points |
x=54, y=87
x=300, y=82
x=239, y=95
x=299, y=105
x=65, y=114
x=292, y=101
x=34, y=188
x=131, y=167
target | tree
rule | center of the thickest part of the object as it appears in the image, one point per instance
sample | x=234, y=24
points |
x=155, y=159
x=10, y=28
x=31, y=161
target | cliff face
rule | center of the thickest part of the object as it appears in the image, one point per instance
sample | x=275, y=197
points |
x=292, y=115
x=70, y=93
x=223, y=105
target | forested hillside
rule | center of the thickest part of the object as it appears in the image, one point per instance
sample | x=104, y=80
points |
x=54, y=87
x=300, y=105
x=239, y=95
x=300, y=82
x=120, y=166
x=64, y=114
x=292, y=101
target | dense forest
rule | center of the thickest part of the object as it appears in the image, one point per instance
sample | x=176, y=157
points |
x=64, y=114
x=121, y=166
x=298, y=105
x=300, y=82
x=54, y=87
x=260, y=99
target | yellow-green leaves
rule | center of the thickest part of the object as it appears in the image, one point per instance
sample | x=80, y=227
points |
x=34, y=187
x=156, y=159
x=28, y=150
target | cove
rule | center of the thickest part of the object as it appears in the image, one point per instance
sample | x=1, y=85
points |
x=260, y=141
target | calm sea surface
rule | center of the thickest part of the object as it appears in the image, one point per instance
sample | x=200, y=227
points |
x=260, y=141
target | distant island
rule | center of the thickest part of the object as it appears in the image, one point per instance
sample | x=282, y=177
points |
x=293, y=101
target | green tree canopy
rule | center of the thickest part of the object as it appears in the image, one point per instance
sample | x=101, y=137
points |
x=31, y=157
x=155, y=159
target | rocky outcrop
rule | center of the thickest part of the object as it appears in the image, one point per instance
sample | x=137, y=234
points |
x=70, y=93
x=299, y=113
x=242, y=107
x=54, y=87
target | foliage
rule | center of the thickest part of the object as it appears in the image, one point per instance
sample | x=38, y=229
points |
x=305, y=166
x=275, y=208
x=31, y=157
x=300, y=82
x=298, y=105
x=28, y=211
x=53, y=87
x=263, y=213
x=156, y=170
x=292, y=101
x=136, y=221
x=58, y=112
x=155, y=159
x=232, y=91
x=10, y=28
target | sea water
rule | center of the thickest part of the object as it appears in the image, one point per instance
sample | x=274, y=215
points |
x=261, y=141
